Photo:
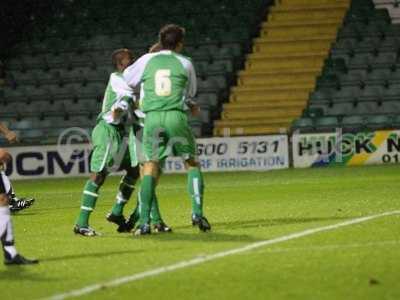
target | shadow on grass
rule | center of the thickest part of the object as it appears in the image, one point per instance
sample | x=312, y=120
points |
x=203, y=237
x=40, y=210
x=21, y=273
x=88, y=255
x=268, y=222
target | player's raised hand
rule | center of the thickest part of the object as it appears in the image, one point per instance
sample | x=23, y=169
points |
x=5, y=157
x=11, y=136
x=195, y=110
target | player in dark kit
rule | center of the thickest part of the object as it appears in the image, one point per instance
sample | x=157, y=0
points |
x=15, y=203
x=11, y=256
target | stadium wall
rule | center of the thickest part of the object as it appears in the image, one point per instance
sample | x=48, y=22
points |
x=254, y=153
x=258, y=153
x=347, y=149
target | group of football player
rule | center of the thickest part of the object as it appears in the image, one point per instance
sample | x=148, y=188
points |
x=158, y=115
x=167, y=82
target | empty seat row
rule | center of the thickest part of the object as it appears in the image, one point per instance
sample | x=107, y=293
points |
x=348, y=123
x=360, y=78
x=360, y=108
x=356, y=94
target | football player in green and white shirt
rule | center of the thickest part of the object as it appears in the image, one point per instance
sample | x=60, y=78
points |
x=110, y=152
x=168, y=85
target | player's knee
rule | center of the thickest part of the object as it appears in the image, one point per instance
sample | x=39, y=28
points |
x=150, y=169
x=98, y=178
x=191, y=163
x=3, y=199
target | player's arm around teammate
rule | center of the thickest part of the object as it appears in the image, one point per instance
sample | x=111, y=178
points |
x=168, y=84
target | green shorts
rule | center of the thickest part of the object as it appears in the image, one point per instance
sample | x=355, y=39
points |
x=167, y=133
x=109, y=149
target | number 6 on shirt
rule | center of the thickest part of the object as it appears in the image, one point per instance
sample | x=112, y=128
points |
x=163, y=82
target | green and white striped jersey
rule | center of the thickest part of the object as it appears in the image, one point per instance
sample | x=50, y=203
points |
x=117, y=95
x=167, y=81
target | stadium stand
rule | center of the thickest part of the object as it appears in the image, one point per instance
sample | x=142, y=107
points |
x=57, y=74
x=273, y=88
x=359, y=86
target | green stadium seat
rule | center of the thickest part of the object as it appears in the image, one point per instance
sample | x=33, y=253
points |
x=340, y=109
x=374, y=30
x=351, y=30
x=321, y=96
x=384, y=60
x=396, y=121
x=8, y=111
x=365, y=108
x=353, y=78
x=93, y=90
x=210, y=99
x=392, y=93
x=315, y=110
x=368, y=45
x=327, y=123
x=353, y=122
x=31, y=134
x=23, y=124
x=15, y=95
x=371, y=93
x=361, y=61
x=220, y=67
x=35, y=62
x=379, y=77
x=62, y=92
x=344, y=46
x=71, y=76
x=330, y=81
x=379, y=122
x=346, y=94
x=100, y=74
x=37, y=93
x=389, y=44
x=201, y=54
x=56, y=60
x=18, y=77
x=303, y=125
x=209, y=85
x=390, y=107
x=334, y=66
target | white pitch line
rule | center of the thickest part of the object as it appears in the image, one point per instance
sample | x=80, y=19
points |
x=330, y=247
x=199, y=260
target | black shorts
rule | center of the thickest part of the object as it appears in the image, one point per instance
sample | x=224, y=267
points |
x=4, y=183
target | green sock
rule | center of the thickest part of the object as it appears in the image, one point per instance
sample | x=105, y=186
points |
x=155, y=214
x=126, y=188
x=196, y=189
x=147, y=190
x=135, y=215
x=89, y=199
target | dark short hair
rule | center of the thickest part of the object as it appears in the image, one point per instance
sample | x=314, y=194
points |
x=170, y=36
x=118, y=54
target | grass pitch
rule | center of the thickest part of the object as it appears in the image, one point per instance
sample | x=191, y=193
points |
x=360, y=261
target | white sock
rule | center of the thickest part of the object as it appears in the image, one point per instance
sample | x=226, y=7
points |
x=6, y=233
